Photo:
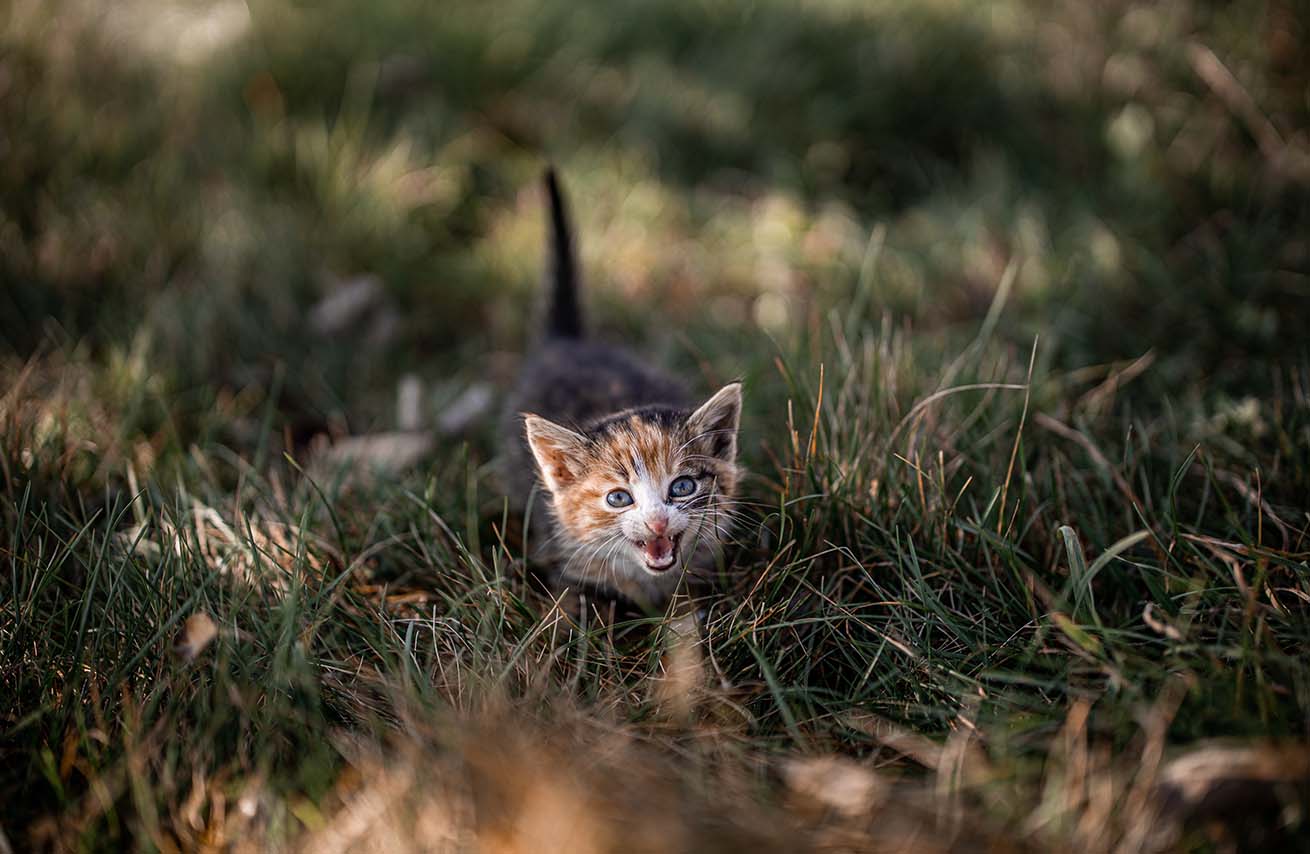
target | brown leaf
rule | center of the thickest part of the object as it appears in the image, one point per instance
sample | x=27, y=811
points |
x=834, y=783
x=383, y=453
x=198, y=632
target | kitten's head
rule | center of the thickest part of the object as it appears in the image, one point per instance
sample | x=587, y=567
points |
x=642, y=489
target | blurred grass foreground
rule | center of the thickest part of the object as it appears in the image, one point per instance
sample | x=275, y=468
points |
x=1019, y=292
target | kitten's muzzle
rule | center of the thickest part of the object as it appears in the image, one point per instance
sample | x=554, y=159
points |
x=660, y=552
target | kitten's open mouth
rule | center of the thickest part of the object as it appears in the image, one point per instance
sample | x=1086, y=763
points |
x=659, y=553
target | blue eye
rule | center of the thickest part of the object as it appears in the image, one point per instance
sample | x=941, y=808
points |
x=682, y=487
x=618, y=498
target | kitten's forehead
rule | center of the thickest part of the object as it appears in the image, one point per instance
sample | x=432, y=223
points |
x=641, y=443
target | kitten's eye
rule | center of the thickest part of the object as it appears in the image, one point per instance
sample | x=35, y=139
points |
x=682, y=487
x=618, y=498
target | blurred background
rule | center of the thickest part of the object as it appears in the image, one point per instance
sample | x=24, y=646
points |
x=210, y=208
x=235, y=233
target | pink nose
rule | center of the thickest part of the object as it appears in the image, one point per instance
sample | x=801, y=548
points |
x=658, y=526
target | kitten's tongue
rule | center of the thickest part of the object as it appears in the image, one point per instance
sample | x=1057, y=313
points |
x=658, y=550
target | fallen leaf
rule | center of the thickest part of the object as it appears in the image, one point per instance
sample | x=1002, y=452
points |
x=197, y=633
x=834, y=783
x=382, y=453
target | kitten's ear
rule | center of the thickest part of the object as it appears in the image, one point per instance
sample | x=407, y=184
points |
x=557, y=449
x=715, y=423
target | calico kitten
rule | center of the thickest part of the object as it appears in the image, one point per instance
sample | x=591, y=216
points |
x=637, y=482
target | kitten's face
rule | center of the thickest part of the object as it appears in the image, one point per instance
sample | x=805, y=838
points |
x=644, y=489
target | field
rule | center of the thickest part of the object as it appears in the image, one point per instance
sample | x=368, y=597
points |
x=1018, y=292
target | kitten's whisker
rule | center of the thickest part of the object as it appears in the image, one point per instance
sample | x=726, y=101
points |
x=716, y=513
x=700, y=436
x=726, y=524
x=609, y=559
x=610, y=545
x=701, y=458
x=589, y=555
x=616, y=542
x=733, y=515
x=719, y=507
x=746, y=503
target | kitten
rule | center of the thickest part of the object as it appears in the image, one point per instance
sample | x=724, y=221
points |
x=638, y=483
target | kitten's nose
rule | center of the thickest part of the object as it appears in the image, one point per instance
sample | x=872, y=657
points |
x=658, y=525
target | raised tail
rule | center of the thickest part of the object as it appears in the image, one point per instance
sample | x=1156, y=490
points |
x=564, y=314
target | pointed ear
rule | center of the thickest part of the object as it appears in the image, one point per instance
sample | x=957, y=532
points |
x=557, y=449
x=715, y=423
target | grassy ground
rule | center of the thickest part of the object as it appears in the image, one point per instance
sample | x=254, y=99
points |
x=1018, y=293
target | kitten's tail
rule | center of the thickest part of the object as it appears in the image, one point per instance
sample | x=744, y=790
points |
x=564, y=314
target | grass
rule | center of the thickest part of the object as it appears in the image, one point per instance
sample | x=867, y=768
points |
x=1017, y=297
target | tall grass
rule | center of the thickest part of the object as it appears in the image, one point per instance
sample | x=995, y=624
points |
x=895, y=572
x=1027, y=426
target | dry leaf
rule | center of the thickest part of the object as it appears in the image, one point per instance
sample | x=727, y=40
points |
x=384, y=453
x=834, y=783
x=198, y=632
